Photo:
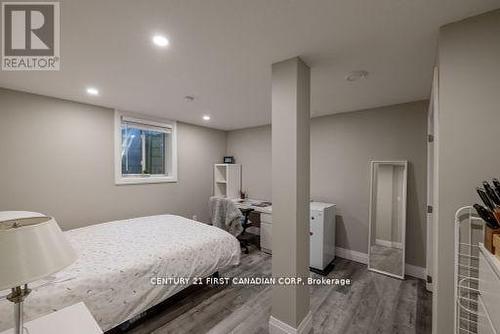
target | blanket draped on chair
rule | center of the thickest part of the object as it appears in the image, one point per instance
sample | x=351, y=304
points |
x=225, y=215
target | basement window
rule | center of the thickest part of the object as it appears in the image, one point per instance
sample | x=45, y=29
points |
x=145, y=150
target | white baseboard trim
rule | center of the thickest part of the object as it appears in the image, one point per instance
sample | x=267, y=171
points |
x=352, y=255
x=279, y=327
x=348, y=254
x=388, y=243
x=415, y=271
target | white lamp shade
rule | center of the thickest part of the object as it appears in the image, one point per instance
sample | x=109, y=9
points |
x=31, y=248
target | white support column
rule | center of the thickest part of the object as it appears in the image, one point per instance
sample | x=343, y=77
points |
x=290, y=185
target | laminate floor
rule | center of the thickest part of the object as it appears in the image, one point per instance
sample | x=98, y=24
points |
x=373, y=303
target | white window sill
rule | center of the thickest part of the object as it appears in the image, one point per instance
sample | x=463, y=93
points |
x=145, y=179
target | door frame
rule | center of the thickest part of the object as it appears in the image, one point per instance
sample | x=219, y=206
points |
x=432, y=175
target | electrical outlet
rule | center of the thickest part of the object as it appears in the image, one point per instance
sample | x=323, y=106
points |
x=195, y=217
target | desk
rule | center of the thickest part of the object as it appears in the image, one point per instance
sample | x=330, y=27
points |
x=322, y=232
x=251, y=204
x=265, y=214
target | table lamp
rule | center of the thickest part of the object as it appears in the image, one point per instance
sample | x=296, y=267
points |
x=31, y=248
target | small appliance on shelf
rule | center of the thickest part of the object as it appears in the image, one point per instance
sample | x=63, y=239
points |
x=229, y=160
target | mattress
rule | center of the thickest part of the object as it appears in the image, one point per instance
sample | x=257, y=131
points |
x=117, y=262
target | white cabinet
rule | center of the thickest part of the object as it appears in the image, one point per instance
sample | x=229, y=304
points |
x=227, y=180
x=266, y=239
x=322, y=235
x=489, y=287
x=75, y=319
x=316, y=239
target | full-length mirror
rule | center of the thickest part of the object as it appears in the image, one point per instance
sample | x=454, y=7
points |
x=387, y=218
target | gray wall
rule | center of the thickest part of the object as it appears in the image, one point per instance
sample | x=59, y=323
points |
x=252, y=149
x=57, y=158
x=341, y=147
x=468, y=122
x=60, y=162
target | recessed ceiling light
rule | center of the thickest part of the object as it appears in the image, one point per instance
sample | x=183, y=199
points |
x=357, y=75
x=92, y=91
x=160, y=40
x=206, y=118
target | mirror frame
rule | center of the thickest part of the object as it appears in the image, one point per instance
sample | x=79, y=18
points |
x=403, y=163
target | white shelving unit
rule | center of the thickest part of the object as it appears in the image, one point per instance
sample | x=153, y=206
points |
x=227, y=180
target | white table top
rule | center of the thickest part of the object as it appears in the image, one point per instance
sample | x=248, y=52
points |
x=74, y=319
x=250, y=203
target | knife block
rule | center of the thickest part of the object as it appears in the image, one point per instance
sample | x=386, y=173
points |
x=489, y=233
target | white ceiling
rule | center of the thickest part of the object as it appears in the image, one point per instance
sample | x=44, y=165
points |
x=221, y=53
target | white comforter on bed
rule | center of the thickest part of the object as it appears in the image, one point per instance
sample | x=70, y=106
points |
x=116, y=262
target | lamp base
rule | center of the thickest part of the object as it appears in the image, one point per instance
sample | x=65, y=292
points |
x=17, y=296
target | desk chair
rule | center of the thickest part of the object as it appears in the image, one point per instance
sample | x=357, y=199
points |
x=223, y=210
x=244, y=238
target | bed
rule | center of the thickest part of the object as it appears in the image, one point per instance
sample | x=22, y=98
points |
x=117, y=262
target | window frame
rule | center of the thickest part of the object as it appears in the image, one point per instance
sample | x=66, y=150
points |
x=120, y=179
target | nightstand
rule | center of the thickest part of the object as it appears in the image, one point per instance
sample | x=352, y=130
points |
x=74, y=319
